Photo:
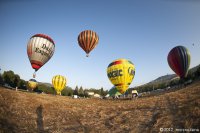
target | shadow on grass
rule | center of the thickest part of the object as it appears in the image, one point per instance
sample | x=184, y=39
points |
x=156, y=110
x=40, y=125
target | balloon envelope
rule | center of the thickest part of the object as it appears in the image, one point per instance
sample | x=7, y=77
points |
x=113, y=91
x=88, y=40
x=40, y=49
x=179, y=60
x=121, y=73
x=32, y=84
x=59, y=83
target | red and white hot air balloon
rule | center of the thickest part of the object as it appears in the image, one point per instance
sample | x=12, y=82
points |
x=40, y=49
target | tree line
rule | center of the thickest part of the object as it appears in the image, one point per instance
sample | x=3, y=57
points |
x=68, y=91
x=13, y=80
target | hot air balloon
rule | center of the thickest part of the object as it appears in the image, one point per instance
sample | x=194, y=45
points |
x=59, y=83
x=121, y=73
x=32, y=84
x=114, y=92
x=88, y=40
x=179, y=60
x=40, y=49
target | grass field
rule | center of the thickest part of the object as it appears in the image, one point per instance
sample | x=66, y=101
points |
x=25, y=112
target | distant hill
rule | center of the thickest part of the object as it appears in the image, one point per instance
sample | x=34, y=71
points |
x=169, y=77
x=47, y=84
x=194, y=69
x=164, y=78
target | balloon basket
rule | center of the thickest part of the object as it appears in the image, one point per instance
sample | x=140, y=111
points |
x=34, y=75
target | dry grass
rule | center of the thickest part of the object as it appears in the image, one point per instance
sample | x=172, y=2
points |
x=29, y=112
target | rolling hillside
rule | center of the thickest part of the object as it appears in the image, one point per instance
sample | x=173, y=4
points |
x=25, y=112
x=168, y=77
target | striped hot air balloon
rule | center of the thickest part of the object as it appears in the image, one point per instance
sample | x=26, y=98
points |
x=121, y=73
x=59, y=83
x=40, y=49
x=88, y=40
x=179, y=60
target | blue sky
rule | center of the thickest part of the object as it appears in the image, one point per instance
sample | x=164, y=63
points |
x=142, y=31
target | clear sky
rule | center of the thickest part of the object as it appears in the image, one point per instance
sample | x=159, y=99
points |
x=143, y=31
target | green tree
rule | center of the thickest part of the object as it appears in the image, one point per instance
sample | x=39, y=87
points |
x=67, y=91
x=95, y=90
x=128, y=91
x=16, y=80
x=197, y=73
x=102, y=92
x=1, y=80
x=70, y=91
x=8, y=76
x=44, y=88
x=11, y=78
x=81, y=92
x=22, y=84
x=105, y=92
x=85, y=93
x=174, y=82
x=75, y=91
x=64, y=92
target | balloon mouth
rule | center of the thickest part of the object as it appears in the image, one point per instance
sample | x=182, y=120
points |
x=58, y=93
x=36, y=66
x=122, y=91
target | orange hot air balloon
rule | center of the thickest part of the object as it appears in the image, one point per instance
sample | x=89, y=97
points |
x=88, y=40
x=40, y=49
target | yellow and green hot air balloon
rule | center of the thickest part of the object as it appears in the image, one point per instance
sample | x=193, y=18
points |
x=32, y=84
x=121, y=73
x=59, y=83
x=113, y=91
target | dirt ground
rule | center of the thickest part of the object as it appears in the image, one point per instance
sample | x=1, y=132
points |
x=25, y=112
